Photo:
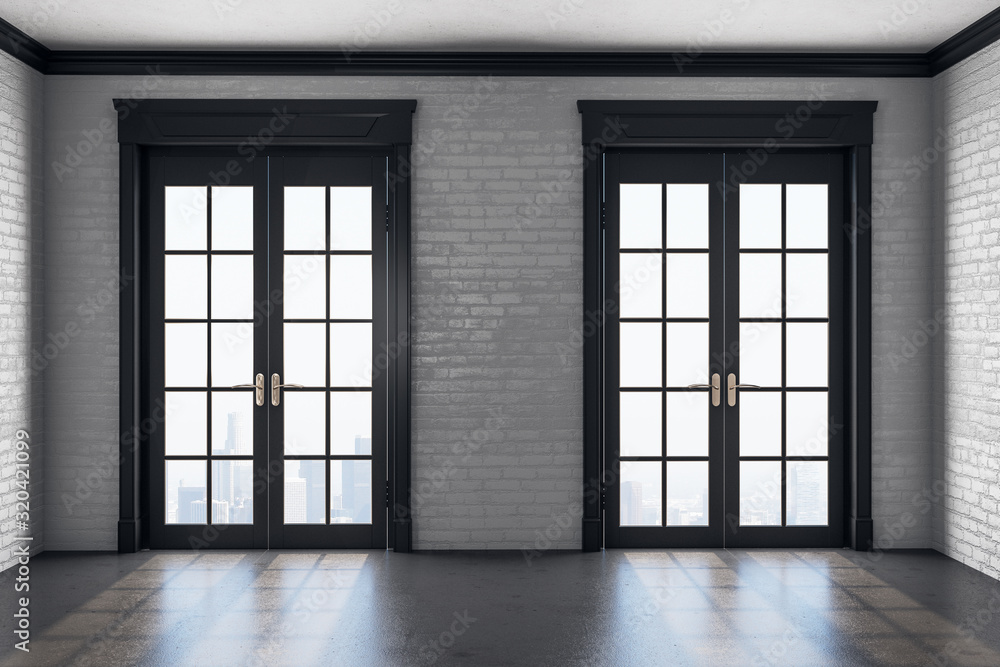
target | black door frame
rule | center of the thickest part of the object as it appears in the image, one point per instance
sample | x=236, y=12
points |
x=765, y=127
x=249, y=126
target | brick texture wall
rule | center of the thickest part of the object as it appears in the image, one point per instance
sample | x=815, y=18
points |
x=966, y=473
x=21, y=94
x=497, y=263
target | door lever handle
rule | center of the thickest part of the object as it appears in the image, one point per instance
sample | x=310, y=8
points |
x=716, y=392
x=258, y=386
x=276, y=388
x=732, y=387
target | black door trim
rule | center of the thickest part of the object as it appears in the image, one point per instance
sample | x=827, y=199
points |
x=766, y=127
x=250, y=126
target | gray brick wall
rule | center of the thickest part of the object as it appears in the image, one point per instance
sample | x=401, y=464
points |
x=966, y=470
x=21, y=176
x=497, y=294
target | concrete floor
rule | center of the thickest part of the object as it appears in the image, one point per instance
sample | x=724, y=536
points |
x=625, y=607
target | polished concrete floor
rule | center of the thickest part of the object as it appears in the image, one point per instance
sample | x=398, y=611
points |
x=625, y=607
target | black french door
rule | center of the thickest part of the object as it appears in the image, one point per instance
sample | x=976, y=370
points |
x=724, y=403
x=267, y=299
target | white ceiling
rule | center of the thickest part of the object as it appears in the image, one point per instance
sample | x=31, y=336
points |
x=497, y=25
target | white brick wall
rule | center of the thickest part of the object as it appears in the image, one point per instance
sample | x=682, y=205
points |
x=967, y=357
x=21, y=92
x=493, y=298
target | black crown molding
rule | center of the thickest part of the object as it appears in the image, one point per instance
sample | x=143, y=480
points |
x=972, y=39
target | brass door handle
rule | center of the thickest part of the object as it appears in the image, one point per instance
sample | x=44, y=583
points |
x=276, y=388
x=732, y=387
x=716, y=391
x=258, y=385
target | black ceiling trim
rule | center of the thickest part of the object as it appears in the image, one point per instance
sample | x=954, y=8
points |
x=973, y=39
x=26, y=49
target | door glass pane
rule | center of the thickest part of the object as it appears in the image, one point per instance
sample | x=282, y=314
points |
x=687, y=285
x=305, y=218
x=760, y=216
x=807, y=355
x=351, y=287
x=807, y=289
x=760, y=354
x=641, y=493
x=760, y=285
x=232, y=492
x=305, y=422
x=350, y=491
x=351, y=355
x=305, y=287
x=641, y=223
x=807, y=425
x=640, y=349
x=350, y=218
x=185, y=355
x=687, y=353
x=806, y=212
x=806, y=496
x=186, y=491
x=185, y=287
x=232, y=354
x=641, y=423
x=687, y=215
x=760, y=493
x=305, y=354
x=760, y=423
x=186, y=218
x=232, y=287
x=186, y=422
x=305, y=492
x=641, y=284
x=687, y=423
x=687, y=493
x=232, y=218
x=351, y=422
x=232, y=422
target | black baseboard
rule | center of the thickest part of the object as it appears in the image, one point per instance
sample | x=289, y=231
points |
x=862, y=534
x=402, y=535
x=129, y=535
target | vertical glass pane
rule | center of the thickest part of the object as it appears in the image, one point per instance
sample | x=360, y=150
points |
x=305, y=492
x=305, y=287
x=185, y=355
x=305, y=422
x=760, y=493
x=232, y=218
x=641, y=423
x=351, y=287
x=806, y=285
x=687, y=353
x=305, y=218
x=232, y=422
x=641, y=284
x=232, y=492
x=641, y=215
x=351, y=422
x=760, y=423
x=350, y=491
x=760, y=354
x=760, y=216
x=807, y=428
x=640, y=354
x=186, y=211
x=351, y=355
x=232, y=287
x=232, y=354
x=808, y=360
x=687, y=423
x=760, y=285
x=687, y=285
x=806, y=496
x=186, y=423
x=351, y=218
x=687, y=493
x=806, y=214
x=186, y=491
x=185, y=287
x=687, y=215
x=305, y=354
x=641, y=493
